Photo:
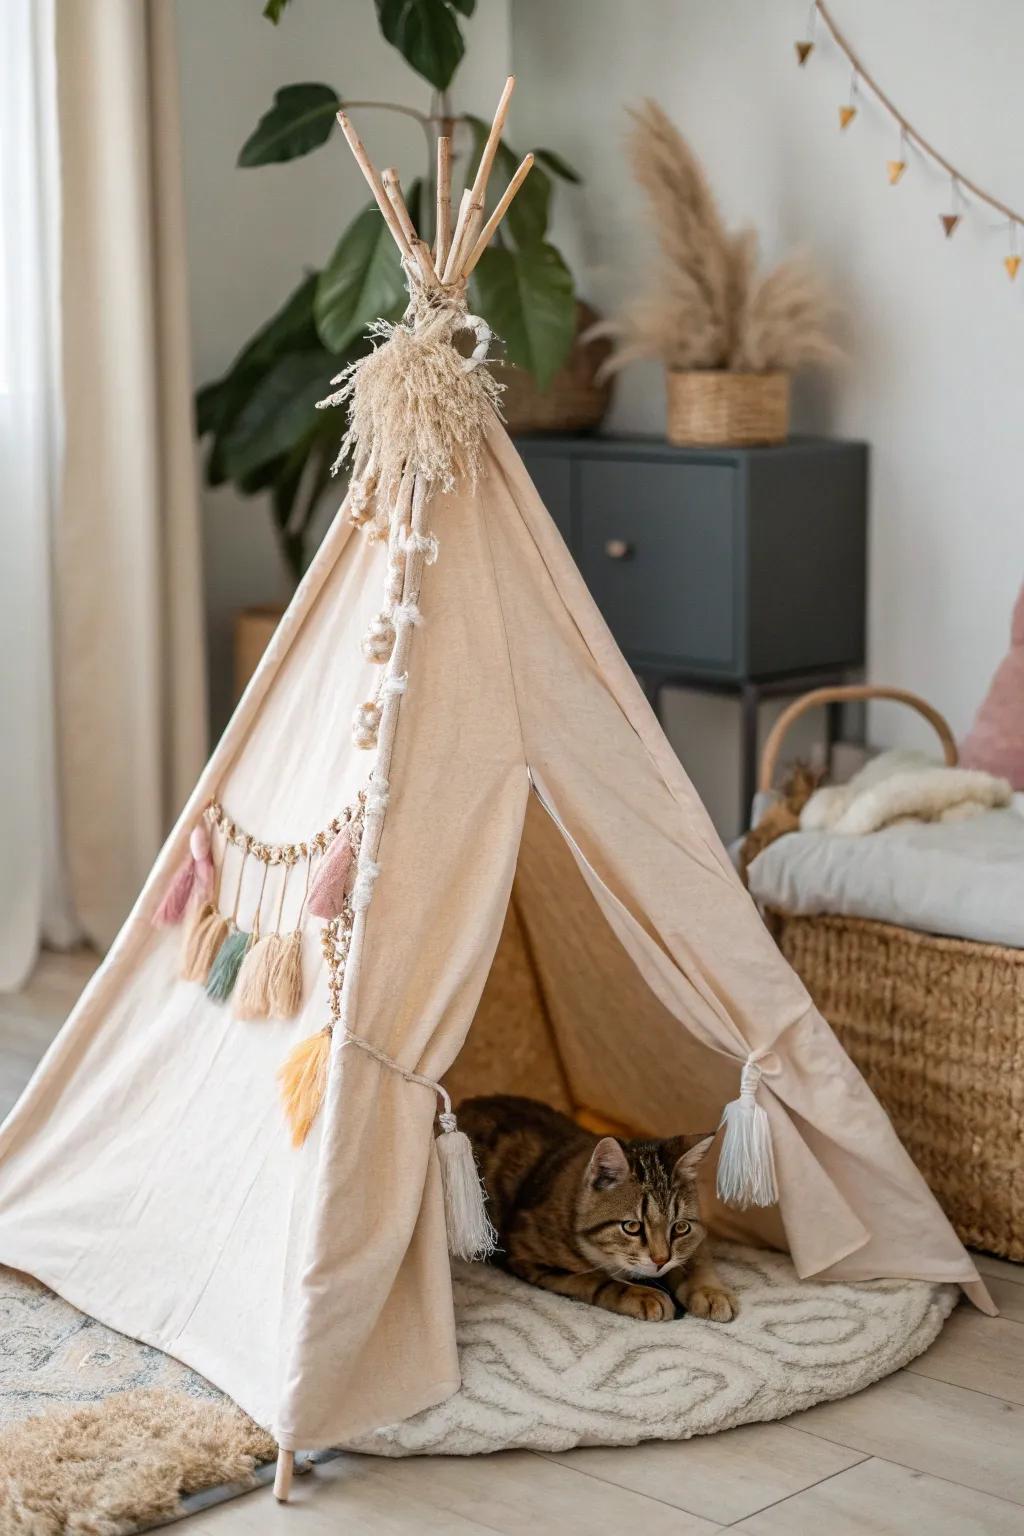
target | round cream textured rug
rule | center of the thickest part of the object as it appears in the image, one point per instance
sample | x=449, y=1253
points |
x=545, y=1373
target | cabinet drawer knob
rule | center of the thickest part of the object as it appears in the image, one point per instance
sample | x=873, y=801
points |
x=618, y=549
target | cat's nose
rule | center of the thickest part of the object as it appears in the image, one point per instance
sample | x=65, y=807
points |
x=659, y=1259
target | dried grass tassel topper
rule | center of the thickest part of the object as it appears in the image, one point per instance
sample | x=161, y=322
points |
x=418, y=406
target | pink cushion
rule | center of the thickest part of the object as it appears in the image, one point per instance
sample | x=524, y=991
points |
x=996, y=739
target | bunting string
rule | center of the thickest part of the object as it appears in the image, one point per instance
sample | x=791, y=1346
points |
x=961, y=185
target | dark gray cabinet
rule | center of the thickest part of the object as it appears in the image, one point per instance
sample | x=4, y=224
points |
x=741, y=570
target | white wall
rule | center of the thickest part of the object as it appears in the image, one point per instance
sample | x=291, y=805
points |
x=935, y=377
x=252, y=232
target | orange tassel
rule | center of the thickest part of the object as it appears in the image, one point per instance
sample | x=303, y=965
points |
x=206, y=934
x=285, y=980
x=303, y=1079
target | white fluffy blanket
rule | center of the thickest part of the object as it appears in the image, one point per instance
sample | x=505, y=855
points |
x=545, y=1373
x=902, y=786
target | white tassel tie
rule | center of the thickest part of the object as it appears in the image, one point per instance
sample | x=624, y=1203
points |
x=471, y=1233
x=746, y=1166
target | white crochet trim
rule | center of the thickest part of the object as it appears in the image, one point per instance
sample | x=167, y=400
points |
x=378, y=792
x=407, y=613
x=425, y=543
x=397, y=684
x=362, y=891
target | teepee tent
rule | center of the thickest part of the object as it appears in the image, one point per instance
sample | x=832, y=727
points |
x=500, y=878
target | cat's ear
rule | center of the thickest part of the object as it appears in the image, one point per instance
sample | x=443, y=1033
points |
x=690, y=1152
x=608, y=1165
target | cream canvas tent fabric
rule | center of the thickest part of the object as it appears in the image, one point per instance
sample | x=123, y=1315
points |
x=553, y=912
x=147, y=1174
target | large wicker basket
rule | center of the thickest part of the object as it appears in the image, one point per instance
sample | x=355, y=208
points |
x=716, y=408
x=936, y=1025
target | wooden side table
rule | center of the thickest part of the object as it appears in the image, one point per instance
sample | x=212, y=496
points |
x=728, y=570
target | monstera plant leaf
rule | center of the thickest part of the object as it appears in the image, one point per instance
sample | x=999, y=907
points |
x=527, y=297
x=363, y=281
x=291, y=329
x=300, y=120
x=427, y=35
x=279, y=412
x=527, y=218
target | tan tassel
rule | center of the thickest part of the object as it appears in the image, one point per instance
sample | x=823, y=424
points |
x=285, y=980
x=251, y=998
x=303, y=1079
x=206, y=934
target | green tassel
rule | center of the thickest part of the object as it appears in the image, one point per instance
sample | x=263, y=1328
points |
x=225, y=969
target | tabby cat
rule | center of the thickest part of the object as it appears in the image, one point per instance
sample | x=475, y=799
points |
x=589, y=1217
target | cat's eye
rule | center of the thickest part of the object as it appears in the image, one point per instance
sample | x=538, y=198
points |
x=681, y=1228
x=632, y=1228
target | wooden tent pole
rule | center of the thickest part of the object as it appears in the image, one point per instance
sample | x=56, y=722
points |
x=444, y=201
x=283, y=1475
x=375, y=184
x=487, y=233
x=451, y=265
x=421, y=255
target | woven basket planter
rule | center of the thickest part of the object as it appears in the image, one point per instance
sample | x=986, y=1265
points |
x=715, y=408
x=936, y=1026
x=574, y=401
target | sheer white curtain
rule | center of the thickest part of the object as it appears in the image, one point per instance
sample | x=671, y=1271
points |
x=33, y=899
x=102, y=713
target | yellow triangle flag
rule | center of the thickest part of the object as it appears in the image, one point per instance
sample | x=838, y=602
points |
x=846, y=116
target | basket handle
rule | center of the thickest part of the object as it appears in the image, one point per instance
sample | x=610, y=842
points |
x=849, y=692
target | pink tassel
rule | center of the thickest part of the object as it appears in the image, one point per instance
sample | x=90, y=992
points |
x=327, y=893
x=193, y=878
x=202, y=859
x=179, y=893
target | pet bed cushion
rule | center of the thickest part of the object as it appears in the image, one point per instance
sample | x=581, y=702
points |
x=962, y=879
x=545, y=1373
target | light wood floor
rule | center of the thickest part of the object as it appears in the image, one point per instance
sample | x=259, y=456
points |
x=936, y=1450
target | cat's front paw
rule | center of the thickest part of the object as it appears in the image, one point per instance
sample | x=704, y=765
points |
x=645, y=1303
x=711, y=1301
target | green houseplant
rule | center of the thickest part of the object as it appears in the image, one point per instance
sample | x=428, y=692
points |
x=264, y=433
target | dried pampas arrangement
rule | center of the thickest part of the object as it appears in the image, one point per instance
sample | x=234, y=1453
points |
x=707, y=307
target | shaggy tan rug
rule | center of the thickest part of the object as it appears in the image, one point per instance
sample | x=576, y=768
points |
x=121, y=1463
x=101, y=1435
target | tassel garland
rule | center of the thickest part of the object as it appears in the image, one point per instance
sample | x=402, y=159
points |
x=284, y=984
x=227, y=964
x=471, y=1233
x=328, y=891
x=204, y=938
x=251, y=999
x=193, y=878
x=746, y=1166
x=179, y=893
x=303, y=1080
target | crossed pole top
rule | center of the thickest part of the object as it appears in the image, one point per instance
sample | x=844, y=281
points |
x=456, y=252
